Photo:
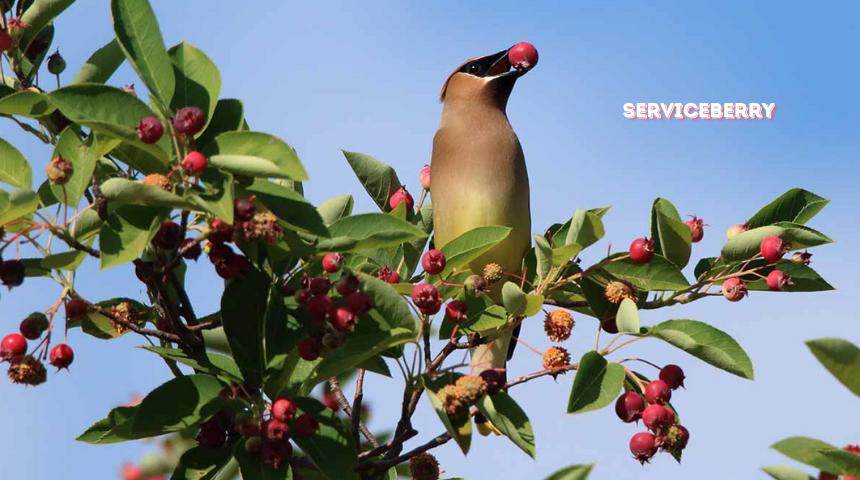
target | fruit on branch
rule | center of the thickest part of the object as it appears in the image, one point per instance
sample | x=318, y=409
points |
x=284, y=409
x=167, y=237
x=158, y=180
x=62, y=356
x=189, y=120
x=359, y=303
x=276, y=454
x=697, y=230
x=244, y=208
x=801, y=258
x=656, y=417
x=558, y=325
x=34, y=325
x=493, y=272
x=678, y=436
x=609, y=326
x=347, y=284
x=59, y=171
x=309, y=349
x=220, y=231
x=433, y=262
x=773, y=248
x=450, y=399
x=424, y=177
x=321, y=308
x=401, y=195
x=736, y=230
x=475, y=285
x=673, y=375
x=388, y=275
x=424, y=466
x=319, y=286
x=6, y=40
x=194, y=164
x=556, y=357
x=425, y=296
x=777, y=280
x=12, y=273
x=457, y=312
x=13, y=345
x=332, y=262
x=642, y=250
x=658, y=392
x=643, y=446
x=76, y=308
x=329, y=401
x=56, y=63
x=306, y=426
x=212, y=434
x=190, y=249
x=263, y=226
x=734, y=289
x=275, y=431
x=470, y=388
x=27, y=370
x=629, y=407
x=617, y=290
x=344, y=320
x=523, y=56
x=494, y=379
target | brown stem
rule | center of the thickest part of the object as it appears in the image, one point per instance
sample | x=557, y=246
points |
x=564, y=304
x=168, y=337
x=551, y=371
x=396, y=441
x=356, y=410
x=334, y=383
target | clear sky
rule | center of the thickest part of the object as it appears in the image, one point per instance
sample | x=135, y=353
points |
x=365, y=76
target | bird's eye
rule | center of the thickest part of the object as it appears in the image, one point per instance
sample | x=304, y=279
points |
x=474, y=69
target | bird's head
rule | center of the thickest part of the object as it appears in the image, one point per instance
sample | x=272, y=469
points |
x=490, y=77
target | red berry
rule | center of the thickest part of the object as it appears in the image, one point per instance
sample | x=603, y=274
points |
x=212, y=434
x=150, y=130
x=220, y=231
x=303, y=296
x=433, y=310
x=424, y=177
x=673, y=376
x=76, y=308
x=276, y=454
x=12, y=273
x=62, y=356
x=284, y=409
x=233, y=266
x=671, y=415
x=658, y=392
x=609, y=326
x=697, y=230
x=34, y=325
x=190, y=249
x=643, y=446
x=358, y=303
x=167, y=237
x=332, y=262
x=189, y=120
x=244, y=209
x=13, y=345
x=347, y=284
x=344, y=320
x=736, y=230
x=6, y=41
x=433, y=262
x=494, y=379
x=195, y=164
x=320, y=308
x=683, y=437
x=778, y=280
x=642, y=250
x=523, y=56
x=401, y=195
x=734, y=289
x=306, y=426
x=275, y=431
x=249, y=428
x=310, y=349
x=130, y=471
x=330, y=403
x=425, y=296
x=288, y=290
x=320, y=286
x=629, y=407
x=457, y=312
x=773, y=248
x=388, y=275
x=656, y=417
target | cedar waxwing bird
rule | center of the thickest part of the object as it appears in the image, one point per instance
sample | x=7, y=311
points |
x=478, y=173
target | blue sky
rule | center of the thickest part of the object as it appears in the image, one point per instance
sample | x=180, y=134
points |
x=365, y=76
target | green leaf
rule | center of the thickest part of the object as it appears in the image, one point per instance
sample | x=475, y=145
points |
x=271, y=155
x=253, y=468
x=200, y=463
x=64, y=261
x=83, y=155
x=369, y=231
x=127, y=232
x=627, y=318
x=38, y=15
x=841, y=358
x=198, y=81
x=26, y=104
x=848, y=462
x=331, y=449
x=534, y=304
x=130, y=192
x=596, y=384
x=19, y=203
x=807, y=451
x=114, y=428
x=357, y=349
x=544, y=256
x=243, y=312
x=562, y=255
x=796, y=206
x=137, y=30
x=289, y=206
x=779, y=472
x=705, y=343
x=586, y=228
x=504, y=413
x=14, y=168
x=459, y=428
x=181, y=403
x=101, y=65
x=389, y=304
x=514, y=299
x=218, y=198
x=103, y=328
x=470, y=245
x=484, y=316
x=658, y=274
x=229, y=116
x=672, y=237
x=748, y=244
x=378, y=179
x=336, y=208
x=211, y=363
x=87, y=225
x=574, y=472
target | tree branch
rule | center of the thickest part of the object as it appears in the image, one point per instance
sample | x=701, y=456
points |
x=168, y=337
x=334, y=383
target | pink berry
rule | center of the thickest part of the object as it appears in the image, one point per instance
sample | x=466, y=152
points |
x=310, y=349
x=673, y=376
x=131, y=471
x=306, y=426
x=332, y=262
x=320, y=308
x=424, y=177
x=425, y=296
x=244, y=209
x=773, y=248
x=433, y=262
x=523, y=56
x=347, y=284
x=401, y=195
x=329, y=401
x=658, y=392
x=629, y=407
x=275, y=431
x=167, y=237
x=656, y=417
x=284, y=409
x=734, y=289
x=642, y=250
x=777, y=280
x=697, y=230
x=457, y=312
x=643, y=446
x=358, y=303
x=344, y=320
x=13, y=345
x=150, y=130
x=388, y=275
x=736, y=230
x=62, y=356
x=320, y=286
x=195, y=164
x=189, y=120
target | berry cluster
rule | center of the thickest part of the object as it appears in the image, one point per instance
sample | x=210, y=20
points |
x=772, y=249
x=28, y=369
x=665, y=433
x=829, y=476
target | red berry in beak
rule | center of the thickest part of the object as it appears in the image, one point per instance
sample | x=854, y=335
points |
x=697, y=230
x=332, y=262
x=734, y=289
x=629, y=407
x=401, y=195
x=773, y=248
x=62, y=356
x=150, y=130
x=673, y=376
x=13, y=345
x=189, y=120
x=523, y=56
x=643, y=446
x=195, y=164
x=658, y=392
x=642, y=250
x=778, y=280
x=433, y=262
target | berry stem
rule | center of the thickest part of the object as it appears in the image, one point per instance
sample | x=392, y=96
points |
x=622, y=345
x=634, y=359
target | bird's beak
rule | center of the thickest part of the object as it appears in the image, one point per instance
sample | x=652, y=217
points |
x=501, y=66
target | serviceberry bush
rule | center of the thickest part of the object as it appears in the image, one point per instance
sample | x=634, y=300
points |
x=317, y=296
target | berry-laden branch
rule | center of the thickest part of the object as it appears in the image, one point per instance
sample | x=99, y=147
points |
x=167, y=337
